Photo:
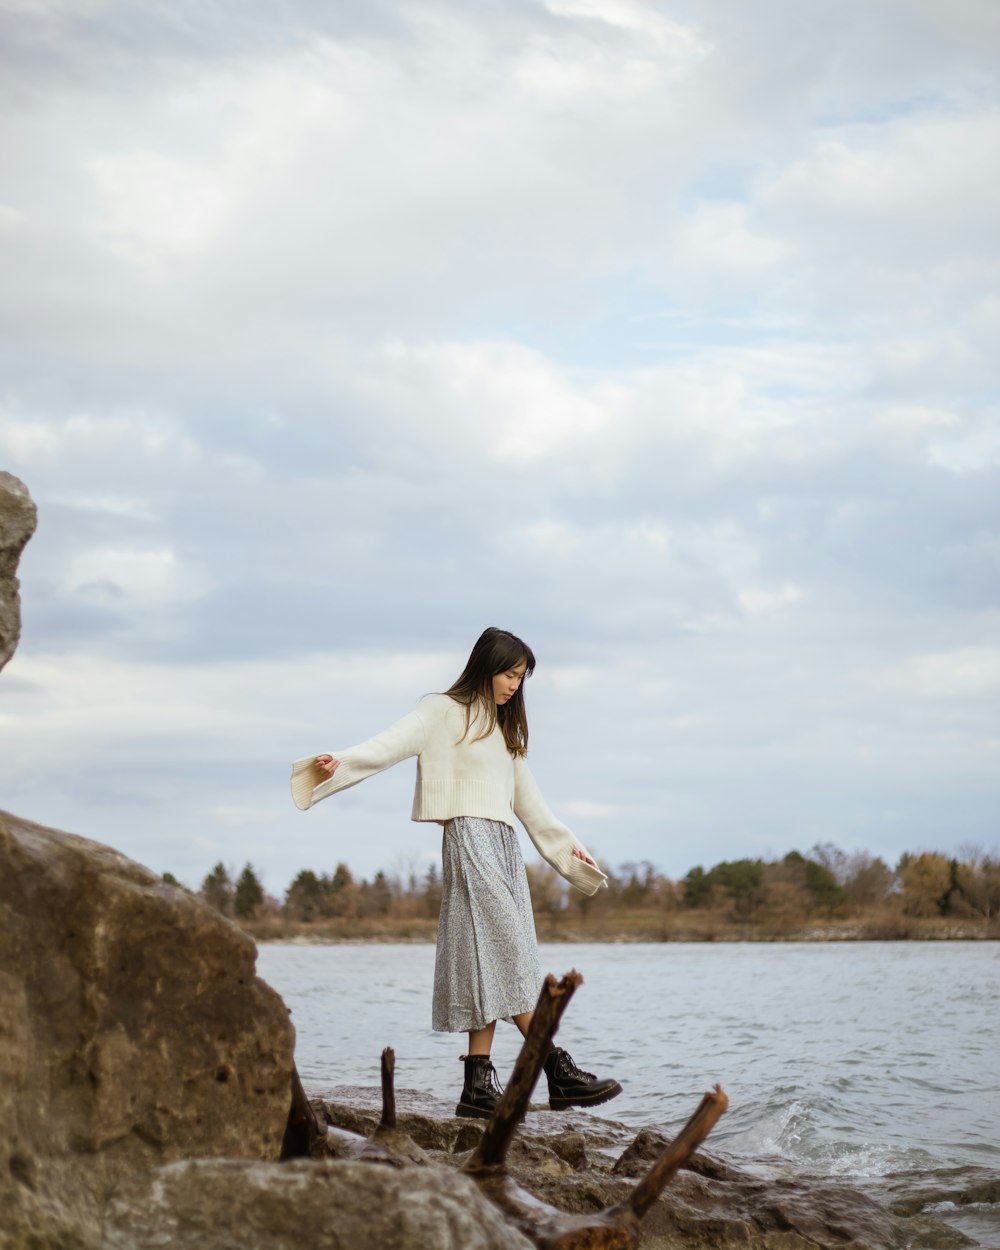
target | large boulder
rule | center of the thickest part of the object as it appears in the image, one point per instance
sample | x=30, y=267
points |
x=133, y=1032
x=18, y=517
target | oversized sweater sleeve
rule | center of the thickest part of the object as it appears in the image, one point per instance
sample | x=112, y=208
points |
x=553, y=840
x=403, y=739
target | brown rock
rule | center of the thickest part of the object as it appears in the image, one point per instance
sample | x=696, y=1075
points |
x=133, y=1031
x=571, y=1148
x=911, y=1192
x=531, y=1161
x=947, y=1208
x=650, y=1143
x=712, y=1204
x=236, y=1205
x=18, y=517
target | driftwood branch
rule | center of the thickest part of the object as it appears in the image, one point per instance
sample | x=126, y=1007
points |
x=388, y=1143
x=681, y=1149
x=616, y=1227
x=303, y=1128
x=388, y=1088
x=495, y=1141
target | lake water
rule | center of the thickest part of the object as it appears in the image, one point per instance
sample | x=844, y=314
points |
x=843, y=1059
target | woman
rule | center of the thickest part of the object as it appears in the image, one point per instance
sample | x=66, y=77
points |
x=470, y=743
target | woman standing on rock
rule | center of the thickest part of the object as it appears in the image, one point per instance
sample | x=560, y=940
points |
x=470, y=744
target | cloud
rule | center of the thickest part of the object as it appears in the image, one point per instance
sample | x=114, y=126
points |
x=945, y=675
x=668, y=343
x=512, y=403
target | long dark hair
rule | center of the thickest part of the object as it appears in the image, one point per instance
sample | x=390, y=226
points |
x=496, y=651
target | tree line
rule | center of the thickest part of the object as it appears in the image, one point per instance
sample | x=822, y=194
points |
x=774, y=896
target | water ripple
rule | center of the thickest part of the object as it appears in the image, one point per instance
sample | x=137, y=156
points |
x=857, y=1059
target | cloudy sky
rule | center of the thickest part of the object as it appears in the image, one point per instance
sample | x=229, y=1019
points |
x=663, y=334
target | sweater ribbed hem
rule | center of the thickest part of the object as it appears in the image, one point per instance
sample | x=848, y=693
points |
x=585, y=877
x=309, y=784
x=444, y=800
x=306, y=776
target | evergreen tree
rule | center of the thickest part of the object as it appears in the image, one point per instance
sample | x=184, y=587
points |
x=343, y=892
x=380, y=896
x=304, y=898
x=697, y=887
x=432, y=891
x=741, y=879
x=341, y=879
x=249, y=893
x=217, y=889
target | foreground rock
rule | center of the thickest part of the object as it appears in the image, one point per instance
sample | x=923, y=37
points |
x=133, y=1032
x=581, y=1163
x=965, y=1200
x=337, y=1206
x=18, y=517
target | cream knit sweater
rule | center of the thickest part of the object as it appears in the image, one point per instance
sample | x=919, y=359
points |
x=455, y=777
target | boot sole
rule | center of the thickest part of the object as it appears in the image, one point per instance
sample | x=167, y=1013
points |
x=473, y=1113
x=562, y=1104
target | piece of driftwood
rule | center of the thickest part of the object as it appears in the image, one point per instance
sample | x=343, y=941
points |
x=388, y=1079
x=499, y=1133
x=388, y=1143
x=303, y=1128
x=615, y=1228
x=687, y=1141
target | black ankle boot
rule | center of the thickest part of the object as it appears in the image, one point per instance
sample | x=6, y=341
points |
x=569, y=1087
x=480, y=1093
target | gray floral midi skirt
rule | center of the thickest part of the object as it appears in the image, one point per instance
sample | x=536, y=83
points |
x=487, y=954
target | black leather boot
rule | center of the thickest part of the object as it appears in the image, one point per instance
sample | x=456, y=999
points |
x=569, y=1087
x=480, y=1093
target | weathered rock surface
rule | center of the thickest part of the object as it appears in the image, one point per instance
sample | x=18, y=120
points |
x=332, y=1205
x=18, y=518
x=582, y=1163
x=133, y=1032
x=953, y=1207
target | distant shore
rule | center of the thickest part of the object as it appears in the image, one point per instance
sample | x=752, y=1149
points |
x=626, y=929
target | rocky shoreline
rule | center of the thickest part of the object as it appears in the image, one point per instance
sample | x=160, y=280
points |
x=579, y=1162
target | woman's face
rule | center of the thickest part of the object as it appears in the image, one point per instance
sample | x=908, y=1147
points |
x=505, y=684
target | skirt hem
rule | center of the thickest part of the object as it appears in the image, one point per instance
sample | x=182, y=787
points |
x=507, y=1017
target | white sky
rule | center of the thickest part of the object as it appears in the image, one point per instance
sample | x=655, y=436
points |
x=663, y=334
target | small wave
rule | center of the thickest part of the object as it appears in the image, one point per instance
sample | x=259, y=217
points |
x=810, y=1136
x=939, y=1207
x=866, y=1160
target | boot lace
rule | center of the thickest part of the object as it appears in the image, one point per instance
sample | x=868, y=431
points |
x=567, y=1067
x=491, y=1082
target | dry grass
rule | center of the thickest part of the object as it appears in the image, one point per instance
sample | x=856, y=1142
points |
x=640, y=925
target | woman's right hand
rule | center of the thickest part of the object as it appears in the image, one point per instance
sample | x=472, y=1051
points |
x=327, y=764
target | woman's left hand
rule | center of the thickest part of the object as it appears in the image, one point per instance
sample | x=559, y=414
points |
x=584, y=856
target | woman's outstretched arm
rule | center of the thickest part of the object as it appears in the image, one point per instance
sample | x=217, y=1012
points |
x=315, y=777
